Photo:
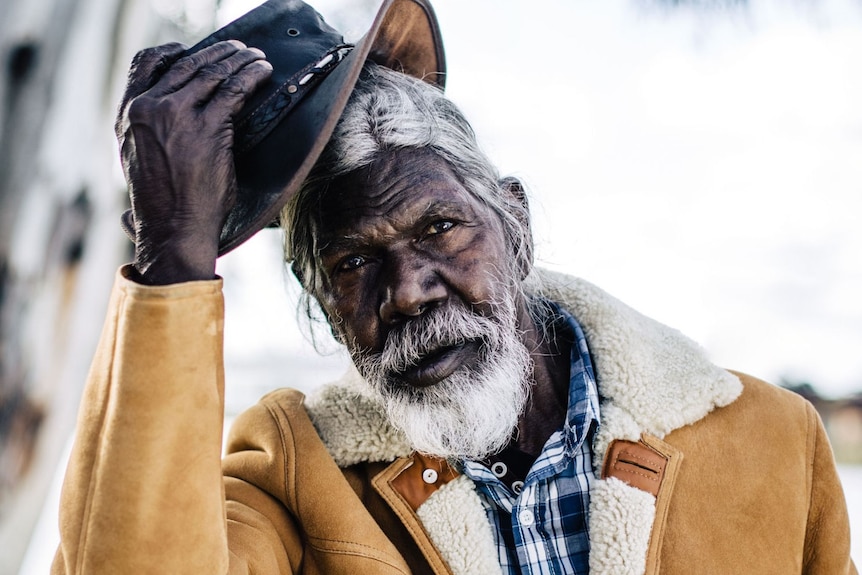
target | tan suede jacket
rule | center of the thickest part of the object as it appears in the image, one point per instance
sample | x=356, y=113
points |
x=716, y=474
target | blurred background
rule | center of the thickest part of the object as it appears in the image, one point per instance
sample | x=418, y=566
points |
x=701, y=160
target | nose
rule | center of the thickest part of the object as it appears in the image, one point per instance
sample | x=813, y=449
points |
x=409, y=289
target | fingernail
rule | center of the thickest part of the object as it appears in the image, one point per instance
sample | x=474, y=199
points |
x=258, y=51
x=237, y=43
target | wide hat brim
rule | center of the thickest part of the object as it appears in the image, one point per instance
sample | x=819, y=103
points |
x=404, y=36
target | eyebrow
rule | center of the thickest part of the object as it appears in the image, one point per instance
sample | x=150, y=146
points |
x=341, y=244
x=443, y=209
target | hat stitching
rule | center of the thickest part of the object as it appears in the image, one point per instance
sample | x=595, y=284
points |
x=265, y=117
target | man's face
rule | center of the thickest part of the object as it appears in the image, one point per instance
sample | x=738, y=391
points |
x=419, y=285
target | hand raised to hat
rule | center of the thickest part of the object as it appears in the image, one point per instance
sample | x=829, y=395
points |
x=175, y=130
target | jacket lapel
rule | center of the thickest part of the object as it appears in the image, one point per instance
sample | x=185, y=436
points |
x=628, y=506
x=449, y=526
x=456, y=522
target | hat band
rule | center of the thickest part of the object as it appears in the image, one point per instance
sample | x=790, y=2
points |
x=257, y=125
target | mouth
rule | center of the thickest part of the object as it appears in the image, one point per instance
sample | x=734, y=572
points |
x=440, y=364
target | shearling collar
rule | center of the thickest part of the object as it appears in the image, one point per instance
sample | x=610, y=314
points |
x=652, y=380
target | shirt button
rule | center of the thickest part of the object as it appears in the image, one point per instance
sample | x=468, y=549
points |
x=526, y=517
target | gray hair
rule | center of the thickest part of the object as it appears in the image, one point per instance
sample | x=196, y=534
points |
x=390, y=111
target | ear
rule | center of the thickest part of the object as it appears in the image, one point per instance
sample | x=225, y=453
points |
x=519, y=207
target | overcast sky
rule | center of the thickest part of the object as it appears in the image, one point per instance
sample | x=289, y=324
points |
x=704, y=166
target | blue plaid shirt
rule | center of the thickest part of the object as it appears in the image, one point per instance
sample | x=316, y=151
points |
x=544, y=528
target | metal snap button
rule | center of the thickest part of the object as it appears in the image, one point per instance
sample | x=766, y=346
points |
x=499, y=469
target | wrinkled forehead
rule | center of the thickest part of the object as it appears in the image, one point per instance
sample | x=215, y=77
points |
x=397, y=187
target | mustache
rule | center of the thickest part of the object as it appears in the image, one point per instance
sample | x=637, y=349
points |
x=440, y=329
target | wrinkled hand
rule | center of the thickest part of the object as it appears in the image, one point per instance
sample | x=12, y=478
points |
x=175, y=129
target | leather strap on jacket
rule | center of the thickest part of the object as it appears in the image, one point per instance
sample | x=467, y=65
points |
x=416, y=490
x=636, y=464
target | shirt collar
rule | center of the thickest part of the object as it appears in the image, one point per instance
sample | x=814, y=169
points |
x=583, y=404
x=582, y=411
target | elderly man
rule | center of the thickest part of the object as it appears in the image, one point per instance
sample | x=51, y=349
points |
x=499, y=418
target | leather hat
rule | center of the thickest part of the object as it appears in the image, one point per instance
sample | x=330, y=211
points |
x=283, y=128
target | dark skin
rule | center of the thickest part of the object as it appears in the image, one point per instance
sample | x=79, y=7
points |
x=402, y=237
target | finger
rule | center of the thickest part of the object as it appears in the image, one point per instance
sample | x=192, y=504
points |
x=186, y=68
x=208, y=81
x=147, y=67
x=162, y=71
x=235, y=90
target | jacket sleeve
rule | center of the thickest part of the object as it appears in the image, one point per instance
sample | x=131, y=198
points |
x=143, y=491
x=827, y=536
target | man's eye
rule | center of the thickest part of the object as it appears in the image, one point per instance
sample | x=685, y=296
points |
x=352, y=263
x=440, y=227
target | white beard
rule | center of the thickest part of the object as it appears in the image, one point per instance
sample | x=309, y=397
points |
x=473, y=412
